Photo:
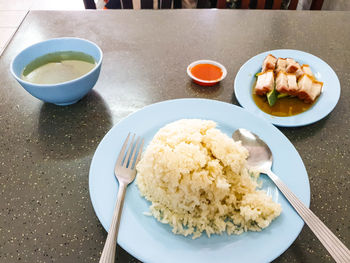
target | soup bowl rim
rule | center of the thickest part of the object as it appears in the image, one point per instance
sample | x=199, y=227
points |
x=96, y=67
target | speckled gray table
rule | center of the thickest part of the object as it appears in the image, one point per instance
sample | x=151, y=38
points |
x=46, y=150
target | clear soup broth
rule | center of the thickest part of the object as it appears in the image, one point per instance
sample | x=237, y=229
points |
x=58, y=67
x=284, y=107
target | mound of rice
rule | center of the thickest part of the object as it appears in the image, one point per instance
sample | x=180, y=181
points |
x=197, y=180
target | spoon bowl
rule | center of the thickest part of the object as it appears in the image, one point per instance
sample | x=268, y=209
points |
x=260, y=155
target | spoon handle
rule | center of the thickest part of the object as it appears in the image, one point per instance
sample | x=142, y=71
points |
x=339, y=252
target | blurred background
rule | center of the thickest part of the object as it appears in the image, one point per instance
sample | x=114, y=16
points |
x=12, y=12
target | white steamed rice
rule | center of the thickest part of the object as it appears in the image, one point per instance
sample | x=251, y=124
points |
x=196, y=179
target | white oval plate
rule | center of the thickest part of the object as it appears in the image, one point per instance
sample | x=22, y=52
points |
x=323, y=72
x=151, y=241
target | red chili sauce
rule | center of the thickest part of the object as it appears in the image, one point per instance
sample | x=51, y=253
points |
x=206, y=72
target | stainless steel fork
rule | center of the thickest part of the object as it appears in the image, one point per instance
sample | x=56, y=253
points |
x=125, y=171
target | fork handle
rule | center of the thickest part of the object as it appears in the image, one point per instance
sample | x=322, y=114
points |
x=335, y=247
x=108, y=253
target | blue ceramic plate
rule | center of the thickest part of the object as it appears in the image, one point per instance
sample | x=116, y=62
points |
x=323, y=72
x=151, y=241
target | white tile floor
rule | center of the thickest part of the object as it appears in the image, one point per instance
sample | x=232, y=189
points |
x=12, y=12
x=41, y=4
x=9, y=22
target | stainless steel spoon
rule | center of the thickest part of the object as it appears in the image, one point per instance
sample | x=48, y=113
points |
x=260, y=159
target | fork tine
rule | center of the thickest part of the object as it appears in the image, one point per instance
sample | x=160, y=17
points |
x=125, y=164
x=135, y=160
x=122, y=151
x=139, y=154
x=131, y=162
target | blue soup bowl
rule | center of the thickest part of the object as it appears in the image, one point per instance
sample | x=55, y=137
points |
x=63, y=93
